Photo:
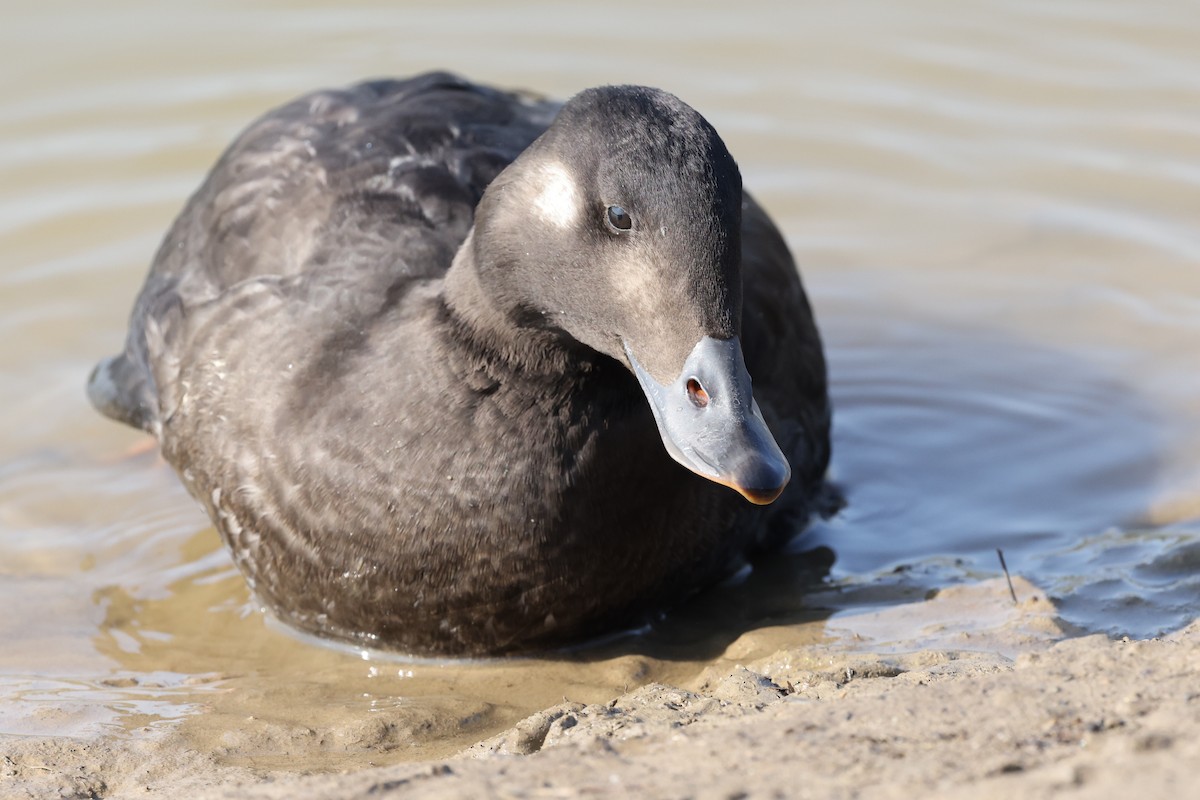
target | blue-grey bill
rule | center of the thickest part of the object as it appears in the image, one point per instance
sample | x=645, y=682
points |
x=725, y=439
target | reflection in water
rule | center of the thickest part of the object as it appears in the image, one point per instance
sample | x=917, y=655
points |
x=995, y=210
x=35, y=706
x=958, y=441
x=965, y=440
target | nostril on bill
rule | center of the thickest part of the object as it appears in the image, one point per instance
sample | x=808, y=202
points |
x=696, y=393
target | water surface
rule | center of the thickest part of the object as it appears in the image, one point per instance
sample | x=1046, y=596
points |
x=995, y=208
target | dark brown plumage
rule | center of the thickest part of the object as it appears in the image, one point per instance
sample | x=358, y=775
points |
x=460, y=460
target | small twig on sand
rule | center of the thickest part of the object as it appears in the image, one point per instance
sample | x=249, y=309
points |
x=1007, y=577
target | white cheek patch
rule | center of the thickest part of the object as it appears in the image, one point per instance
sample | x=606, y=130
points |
x=558, y=201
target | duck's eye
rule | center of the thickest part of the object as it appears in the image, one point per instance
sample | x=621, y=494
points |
x=619, y=218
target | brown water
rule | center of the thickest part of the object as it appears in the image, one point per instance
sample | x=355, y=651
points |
x=997, y=210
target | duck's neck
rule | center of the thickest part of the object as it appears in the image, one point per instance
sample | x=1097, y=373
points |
x=490, y=327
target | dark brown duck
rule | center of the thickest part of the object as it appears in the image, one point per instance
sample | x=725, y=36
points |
x=461, y=371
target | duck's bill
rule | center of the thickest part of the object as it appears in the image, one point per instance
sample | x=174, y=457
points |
x=710, y=423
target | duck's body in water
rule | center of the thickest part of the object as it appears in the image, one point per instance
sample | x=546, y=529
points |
x=447, y=421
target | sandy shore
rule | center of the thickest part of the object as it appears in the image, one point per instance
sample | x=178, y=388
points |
x=995, y=703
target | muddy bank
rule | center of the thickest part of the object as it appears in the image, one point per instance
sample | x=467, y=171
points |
x=1002, y=708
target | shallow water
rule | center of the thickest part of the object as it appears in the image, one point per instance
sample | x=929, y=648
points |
x=996, y=209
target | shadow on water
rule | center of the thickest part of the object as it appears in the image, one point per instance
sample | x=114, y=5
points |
x=952, y=442
x=771, y=592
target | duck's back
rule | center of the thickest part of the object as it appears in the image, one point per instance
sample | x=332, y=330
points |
x=356, y=191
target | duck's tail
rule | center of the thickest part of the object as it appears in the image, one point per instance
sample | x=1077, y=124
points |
x=120, y=388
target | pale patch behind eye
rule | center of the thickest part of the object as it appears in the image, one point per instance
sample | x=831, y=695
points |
x=635, y=284
x=558, y=200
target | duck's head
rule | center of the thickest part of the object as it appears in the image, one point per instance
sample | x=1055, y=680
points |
x=621, y=226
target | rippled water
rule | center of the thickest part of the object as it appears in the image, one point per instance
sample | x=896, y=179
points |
x=997, y=210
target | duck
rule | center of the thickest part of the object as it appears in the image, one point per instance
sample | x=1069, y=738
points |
x=462, y=371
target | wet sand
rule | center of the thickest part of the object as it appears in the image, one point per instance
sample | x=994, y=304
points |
x=996, y=702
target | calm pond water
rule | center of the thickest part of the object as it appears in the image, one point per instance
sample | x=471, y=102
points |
x=996, y=206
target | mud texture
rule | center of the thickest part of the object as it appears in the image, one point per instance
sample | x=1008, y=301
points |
x=1012, y=715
